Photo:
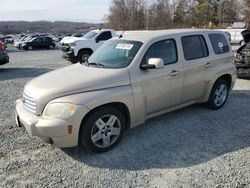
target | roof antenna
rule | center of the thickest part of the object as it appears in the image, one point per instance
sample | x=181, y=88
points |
x=120, y=36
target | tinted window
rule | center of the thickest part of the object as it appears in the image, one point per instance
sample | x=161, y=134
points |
x=219, y=43
x=37, y=40
x=194, y=47
x=165, y=50
x=105, y=36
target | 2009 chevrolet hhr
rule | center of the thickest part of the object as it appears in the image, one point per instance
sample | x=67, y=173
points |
x=129, y=79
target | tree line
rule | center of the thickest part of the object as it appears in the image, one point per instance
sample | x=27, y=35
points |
x=163, y=14
x=13, y=27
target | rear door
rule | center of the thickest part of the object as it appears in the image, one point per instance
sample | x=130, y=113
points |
x=195, y=66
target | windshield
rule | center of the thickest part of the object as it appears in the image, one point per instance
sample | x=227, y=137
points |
x=115, y=53
x=89, y=35
x=30, y=39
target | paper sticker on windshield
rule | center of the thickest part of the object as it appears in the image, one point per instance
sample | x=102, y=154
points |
x=124, y=46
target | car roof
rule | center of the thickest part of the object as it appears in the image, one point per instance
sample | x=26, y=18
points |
x=145, y=36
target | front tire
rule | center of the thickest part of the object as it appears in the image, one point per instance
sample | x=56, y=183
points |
x=219, y=94
x=83, y=55
x=102, y=130
x=51, y=47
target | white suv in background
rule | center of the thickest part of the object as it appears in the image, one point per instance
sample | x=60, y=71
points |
x=78, y=49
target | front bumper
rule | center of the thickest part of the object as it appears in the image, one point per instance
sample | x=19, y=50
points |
x=68, y=54
x=51, y=129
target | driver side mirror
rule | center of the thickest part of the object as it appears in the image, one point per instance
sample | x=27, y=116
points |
x=97, y=39
x=153, y=63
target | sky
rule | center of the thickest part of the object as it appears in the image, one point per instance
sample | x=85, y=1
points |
x=91, y=11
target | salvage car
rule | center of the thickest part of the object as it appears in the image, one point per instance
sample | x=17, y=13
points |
x=128, y=80
x=4, y=58
x=242, y=56
x=38, y=43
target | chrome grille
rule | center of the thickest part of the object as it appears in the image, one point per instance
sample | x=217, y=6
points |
x=29, y=103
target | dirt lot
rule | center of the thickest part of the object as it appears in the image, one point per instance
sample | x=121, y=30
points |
x=192, y=147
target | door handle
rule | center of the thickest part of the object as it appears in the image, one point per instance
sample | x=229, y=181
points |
x=174, y=73
x=207, y=65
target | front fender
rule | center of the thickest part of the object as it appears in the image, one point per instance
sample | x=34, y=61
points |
x=96, y=98
x=84, y=44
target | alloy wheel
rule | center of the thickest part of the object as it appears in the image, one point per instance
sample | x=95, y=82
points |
x=106, y=131
x=220, y=95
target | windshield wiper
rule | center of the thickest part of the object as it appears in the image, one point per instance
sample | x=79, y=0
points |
x=97, y=64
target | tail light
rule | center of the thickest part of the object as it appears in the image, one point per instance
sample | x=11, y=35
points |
x=1, y=47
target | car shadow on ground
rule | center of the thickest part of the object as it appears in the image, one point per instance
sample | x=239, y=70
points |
x=183, y=138
x=14, y=50
x=15, y=73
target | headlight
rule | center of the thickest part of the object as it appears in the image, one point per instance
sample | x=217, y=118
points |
x=60, y=110
x=72, y=44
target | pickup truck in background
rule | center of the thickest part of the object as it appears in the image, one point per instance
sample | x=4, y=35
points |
x=78, y=49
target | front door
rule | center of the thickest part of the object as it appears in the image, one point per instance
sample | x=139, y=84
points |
x=162, y=88
x=101, y=38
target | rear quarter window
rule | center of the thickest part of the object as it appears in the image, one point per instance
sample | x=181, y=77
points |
x=219, y=43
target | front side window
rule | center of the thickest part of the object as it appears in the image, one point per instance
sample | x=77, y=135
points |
x=194, y=47
x=165, y=50
x=115, y=53
x=105, y=36
x=219, y=43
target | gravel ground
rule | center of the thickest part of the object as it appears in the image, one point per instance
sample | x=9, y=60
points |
x=192, y=147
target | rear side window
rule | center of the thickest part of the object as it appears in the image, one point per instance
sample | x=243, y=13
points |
x=219, y=43
x=194, y=47
x=165, y=50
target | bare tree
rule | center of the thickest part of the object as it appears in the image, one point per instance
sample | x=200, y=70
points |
x=127, y=14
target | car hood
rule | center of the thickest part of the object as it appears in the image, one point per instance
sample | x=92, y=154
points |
x=74, y=39
x=71, y=80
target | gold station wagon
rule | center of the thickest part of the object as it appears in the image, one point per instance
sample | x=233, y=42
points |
x=129, y=79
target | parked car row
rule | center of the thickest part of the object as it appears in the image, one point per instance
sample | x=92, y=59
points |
x=35, y=42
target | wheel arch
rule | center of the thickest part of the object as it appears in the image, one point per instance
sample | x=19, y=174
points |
x=119, y=106
x=227, y=77
x=84, y=49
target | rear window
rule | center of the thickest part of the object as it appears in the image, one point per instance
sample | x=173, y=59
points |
x=194, y=47
x=219, y=43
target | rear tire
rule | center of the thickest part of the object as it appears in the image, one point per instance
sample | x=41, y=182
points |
x=102, y=130
x=84, y=54
x=51, y=47
x=218, y=95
